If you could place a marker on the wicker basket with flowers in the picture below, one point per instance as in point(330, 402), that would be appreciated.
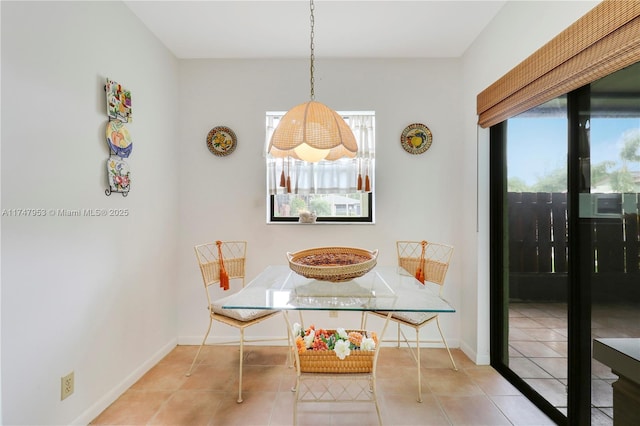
point(334, 351)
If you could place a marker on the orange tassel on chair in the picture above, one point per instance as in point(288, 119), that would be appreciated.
point(359, 182)
point(367, 184)
point(224, 277)
point(420, 270)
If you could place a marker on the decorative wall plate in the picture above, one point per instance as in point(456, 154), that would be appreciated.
point(119, 139)
point(221, 141)
point(416, 138)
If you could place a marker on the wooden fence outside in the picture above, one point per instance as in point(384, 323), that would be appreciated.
point(538, 238)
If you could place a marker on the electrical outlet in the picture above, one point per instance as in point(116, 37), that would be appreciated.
point(66, 386)
point(333, 314)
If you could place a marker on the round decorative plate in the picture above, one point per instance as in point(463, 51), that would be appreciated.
point(416, 138)
point(221, 141)
point(118, 138)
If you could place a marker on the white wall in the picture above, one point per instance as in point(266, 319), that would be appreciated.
point(90, 294)
point(519, 29)
point(417, 196)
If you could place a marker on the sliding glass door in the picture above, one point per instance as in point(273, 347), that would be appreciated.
point(530, 184)
point(565, 178)
point(608, 219)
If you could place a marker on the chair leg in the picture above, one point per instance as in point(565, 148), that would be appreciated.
point(200, 348)
point(445, 344)
point(295, 403)
point(398, 335)
point(419, 365)
point(290, 345)
point(372, 385)
point(241, 362)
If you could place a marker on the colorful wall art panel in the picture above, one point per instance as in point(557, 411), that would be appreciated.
point(118, 138)
point(118, 102)
point(119, 175)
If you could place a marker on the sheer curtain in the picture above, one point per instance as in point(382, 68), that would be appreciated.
point(343, 176)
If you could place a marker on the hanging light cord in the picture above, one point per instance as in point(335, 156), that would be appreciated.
point(311, 68)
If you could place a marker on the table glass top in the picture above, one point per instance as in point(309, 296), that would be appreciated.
point(384, 288)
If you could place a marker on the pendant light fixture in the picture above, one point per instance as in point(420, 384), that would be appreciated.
point(312, 131)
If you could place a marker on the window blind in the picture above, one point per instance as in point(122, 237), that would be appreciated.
point(603, 41)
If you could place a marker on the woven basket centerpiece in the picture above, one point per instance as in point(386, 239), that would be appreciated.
point(335, 264)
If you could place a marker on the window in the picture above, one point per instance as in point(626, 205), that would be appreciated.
point(338, 191)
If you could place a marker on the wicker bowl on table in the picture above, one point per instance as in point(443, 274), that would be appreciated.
point(334, 264)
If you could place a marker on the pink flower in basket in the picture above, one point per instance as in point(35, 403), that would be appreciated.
point(340, 341)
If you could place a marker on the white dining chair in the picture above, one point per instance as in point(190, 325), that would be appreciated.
point(427, 261)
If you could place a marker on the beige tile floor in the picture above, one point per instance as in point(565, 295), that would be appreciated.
point(473, 395)
point(538, 350)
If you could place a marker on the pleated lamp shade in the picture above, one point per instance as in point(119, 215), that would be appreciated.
point(313, 132)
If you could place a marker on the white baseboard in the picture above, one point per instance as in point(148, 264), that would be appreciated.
point(473, 355)
point(108, 399)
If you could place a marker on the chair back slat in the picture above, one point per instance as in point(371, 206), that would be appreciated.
point(436, 259)
point(409, 263)
point(233, 256)
point(435, 271)
point(211, 270)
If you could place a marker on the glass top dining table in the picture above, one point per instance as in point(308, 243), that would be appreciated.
point(384, 288)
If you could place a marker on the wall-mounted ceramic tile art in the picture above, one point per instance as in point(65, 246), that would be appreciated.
point(118, 171)
point(118, 102)
point(118, 137)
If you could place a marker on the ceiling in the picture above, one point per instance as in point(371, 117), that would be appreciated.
point(343, 29)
